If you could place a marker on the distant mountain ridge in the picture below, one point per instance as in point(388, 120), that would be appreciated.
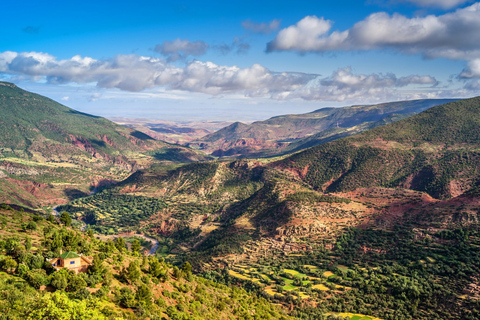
point(289, 133)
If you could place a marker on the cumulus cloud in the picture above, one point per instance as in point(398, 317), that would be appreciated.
point(453, 35)
point(444, 4)
point(472, 70)
point(180, 49)
point(343, 85)
point(136, 73)
point(263, 27)
point(448, 34)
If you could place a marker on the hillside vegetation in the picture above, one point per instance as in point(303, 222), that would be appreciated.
point(435, 152)
point(45, 145)
point(121, 284)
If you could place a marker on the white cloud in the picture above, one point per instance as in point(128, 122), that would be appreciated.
point(66, 98)
point(136, 73)
point(343, 85)
point(472, 70)
point(454, 35)
point(445, 4)
point(456, 31)
point(180, 49)
point(265, 28)
point(307, 35)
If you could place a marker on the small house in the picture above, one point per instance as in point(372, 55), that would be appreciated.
point(72, 261)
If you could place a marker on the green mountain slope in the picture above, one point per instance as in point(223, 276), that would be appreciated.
point(288, 133)
point(121, 283)
point(44, 142)
point(435, 151)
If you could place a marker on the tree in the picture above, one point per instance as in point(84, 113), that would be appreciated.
point(34, 261)
point(59, 281)
point(32, 226)
point(90, 233)
point(144, 295)
point(58, 306)
point(10, 244)
point(136, 246)
point(76, 283)
point(50, 218)
point(126, 297)
point(82, 294)
point(133, 271)
point(155, 268)
point(120, 244)
point(28, 243)
point(9, 264)
point(187, 267)
point(177, 273)
point(22, 270)
point(66, 219)
point(36, 278)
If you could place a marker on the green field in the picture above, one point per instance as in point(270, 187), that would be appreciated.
point(353, 316)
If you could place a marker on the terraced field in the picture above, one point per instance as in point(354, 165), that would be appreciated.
point(283, 282)
point(353, 316)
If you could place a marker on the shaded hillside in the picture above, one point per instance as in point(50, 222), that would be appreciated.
point(288, 133)
point(435, 151)
point(45, 142)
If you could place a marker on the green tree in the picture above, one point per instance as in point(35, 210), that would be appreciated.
point(9, 264)
point(120, 244)
point(22, 270)
point(136, 246)
point(32, 226)
point(144, 295)
point(133, 271)
point(66, 219)
point(59, 281)
point(126, 297)
point(58, 306)
point(28, 243)
point(187, 267)
point(76, 283)
point(50, 218)
point(177, 273)
point(36, 278)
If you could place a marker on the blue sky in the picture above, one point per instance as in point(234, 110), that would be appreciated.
point(239, 60)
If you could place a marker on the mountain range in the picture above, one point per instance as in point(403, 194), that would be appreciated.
point(290, 133)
